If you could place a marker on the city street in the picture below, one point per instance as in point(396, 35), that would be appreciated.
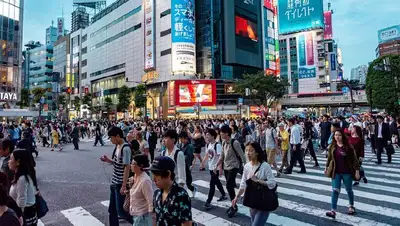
point(75, 185)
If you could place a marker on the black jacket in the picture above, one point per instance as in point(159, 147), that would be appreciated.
point(385, 132)
point(152, 140)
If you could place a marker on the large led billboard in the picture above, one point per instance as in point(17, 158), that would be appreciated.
point(307, 54)
point(389, 34)
point(328, 25)
point(299, 15)
point(190, 92)
point(183, 36)
point(149, 35)
point(246, 28)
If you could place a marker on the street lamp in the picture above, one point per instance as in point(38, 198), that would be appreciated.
point(347, 84)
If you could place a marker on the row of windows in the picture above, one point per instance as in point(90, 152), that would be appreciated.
point(108, 10)
point(166, 32)
point(113, 68)
point(119, 35)
point(134, 11)
point(165, 13)
point(84, 75)
point(84, 63)
point(165, 52)
point(84, 50)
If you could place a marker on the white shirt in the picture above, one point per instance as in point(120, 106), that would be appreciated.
point(23, 192)
point(264, 174)
point(380, 130)
point(180, 169)
point(295, 135)
point(270, 138)
point(214, 150)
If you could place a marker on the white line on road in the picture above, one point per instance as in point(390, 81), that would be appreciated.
point(209, 219)
point(79, 217)
point(40, 223)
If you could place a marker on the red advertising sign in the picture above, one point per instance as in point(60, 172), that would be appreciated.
point(190, 92)
point(269, 4)
point(328, 33)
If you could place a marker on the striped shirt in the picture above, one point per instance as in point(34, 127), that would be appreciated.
point(120, 160)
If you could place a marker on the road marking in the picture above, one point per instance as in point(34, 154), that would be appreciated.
point(373, 167)
point(40, 223)
point(298, 207)
point(80, 217)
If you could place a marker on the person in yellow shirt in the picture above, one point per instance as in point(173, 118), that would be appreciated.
point(56, 139)
point(283, 139)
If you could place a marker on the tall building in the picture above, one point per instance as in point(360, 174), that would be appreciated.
point(359, 73)
point(79, 19)
point(389, 41)
point(39, 67)
point(51, 35)
point(271, 38)
point(11, 15)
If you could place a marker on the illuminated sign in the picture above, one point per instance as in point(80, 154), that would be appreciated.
point(183, 36)
point(8, 96)
point(306, 54)
point(149, 35)
point(298, 15)
point(60, 26)
point(328, 25)
point(389, 34)
point(190, 92)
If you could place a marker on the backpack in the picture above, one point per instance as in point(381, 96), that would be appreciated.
point(122, 156)
point(175, 155)
point(241, 168)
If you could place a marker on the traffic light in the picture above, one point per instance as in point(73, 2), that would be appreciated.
point(68, 90)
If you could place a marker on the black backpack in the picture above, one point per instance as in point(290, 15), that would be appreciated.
point(122, 155)
point(175, 155)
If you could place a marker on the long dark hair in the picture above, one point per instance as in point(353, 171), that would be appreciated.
point(359, 133)
point(25, 167)
point(261, 156)
point(345, 141)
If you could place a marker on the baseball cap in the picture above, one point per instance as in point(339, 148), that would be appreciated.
point(162, 163)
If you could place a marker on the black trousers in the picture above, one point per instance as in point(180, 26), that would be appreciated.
point(324, 142)
point(189, 178)
point(310, 148)
point(75, 142)
point(230, 176)
point(380, 145)
point(151, 150)
point(297, 156)
point(215, 182)
point(98, 139)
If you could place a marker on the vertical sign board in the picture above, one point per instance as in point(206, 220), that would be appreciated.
point(328, 33)
point(306, 54)
point(149, 35)
point(183, 36)
point(299, 15)
point(333, 62)
point(60, 26)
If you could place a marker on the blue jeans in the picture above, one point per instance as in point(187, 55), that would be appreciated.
point(115, 207)
point(336, 184)
point(144, 220)
point(258, 217)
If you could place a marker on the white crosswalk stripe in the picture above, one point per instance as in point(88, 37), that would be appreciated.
point(303, 200)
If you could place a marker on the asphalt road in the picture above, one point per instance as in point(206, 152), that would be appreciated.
point(79, 181)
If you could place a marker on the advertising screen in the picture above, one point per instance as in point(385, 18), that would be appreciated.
point(300, 15)
point(246, 28)
point(191, 92)
point(388, 34)
point(149, 35)
point(328, 25)
point(183, 36)
point(306, 54)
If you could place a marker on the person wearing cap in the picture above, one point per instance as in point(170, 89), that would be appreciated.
point(382, 139)
point(141, 192)
point(172, 204)
point(121, 160)
point(172, 151)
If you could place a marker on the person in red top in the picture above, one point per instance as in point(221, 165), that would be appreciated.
point(356, 140)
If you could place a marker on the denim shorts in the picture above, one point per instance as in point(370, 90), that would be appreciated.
point(144, 220)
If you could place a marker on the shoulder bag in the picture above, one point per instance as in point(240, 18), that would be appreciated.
point(260, 197)
point(127, 201)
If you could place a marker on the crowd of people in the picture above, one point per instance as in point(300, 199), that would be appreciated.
point(228, 147)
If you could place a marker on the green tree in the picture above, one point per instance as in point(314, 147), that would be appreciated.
point(140, 98)
point(77, 103)
point(37, 94)
point(264, 90)
point(24, 102)
point(87, 101)
point(124, 99)
point(62, 100)
point(381, 85)
point(108, 103)
point(96, 110)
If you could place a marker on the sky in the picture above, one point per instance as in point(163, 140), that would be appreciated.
point(355, 24)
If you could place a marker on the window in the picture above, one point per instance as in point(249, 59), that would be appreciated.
point(84, 50)
point(84, 63)
point(84, 75)
point(166, 12)
point(115, 37)
point(84, 38)
point(166, 32)
point(166, 52)
point(113, 68)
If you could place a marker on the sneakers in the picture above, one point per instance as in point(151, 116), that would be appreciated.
point(323, 153)
point(222, 198)
point(232, 211)
point(194, 193)
point(207, 206)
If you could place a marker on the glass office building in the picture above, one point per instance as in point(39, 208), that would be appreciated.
point(11, 17)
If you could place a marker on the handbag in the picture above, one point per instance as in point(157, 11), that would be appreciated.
point(127, 201)
point(260, 197)
point(389, 149)
point(41, 206)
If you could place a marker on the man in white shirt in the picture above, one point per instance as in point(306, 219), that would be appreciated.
point(295, 144)
point(172, 151)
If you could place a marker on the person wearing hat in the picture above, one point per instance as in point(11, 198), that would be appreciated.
point(141, 192)
point(169, 197)
point(382, 139)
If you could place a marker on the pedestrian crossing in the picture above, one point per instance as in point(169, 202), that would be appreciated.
point(303, 200)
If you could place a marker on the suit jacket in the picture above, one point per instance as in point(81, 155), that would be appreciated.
point(152, 140)
point(385, 132)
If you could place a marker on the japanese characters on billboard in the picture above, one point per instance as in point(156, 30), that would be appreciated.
point(270, 38)
point(183, 36)
point(299, 15)
point(328, 25)
point(307, 54)
point(190, 92)
point(60, 26)
point(149, 35)
point(389, 34)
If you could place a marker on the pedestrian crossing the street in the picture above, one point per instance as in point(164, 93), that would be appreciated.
point(303, 200)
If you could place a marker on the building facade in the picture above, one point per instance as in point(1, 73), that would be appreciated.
point(389, 41)
point(11, 18)
point(359, 73)
point(51, 35)
point(79, 19)
point(271, 39)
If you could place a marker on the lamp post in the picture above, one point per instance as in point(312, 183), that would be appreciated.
point(347, 84)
